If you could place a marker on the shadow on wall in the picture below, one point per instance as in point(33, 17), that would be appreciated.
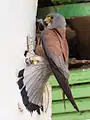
point(78, 36)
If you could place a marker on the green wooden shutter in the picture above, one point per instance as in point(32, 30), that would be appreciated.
point(80, 86)
point(79, 79)
point(69, 10)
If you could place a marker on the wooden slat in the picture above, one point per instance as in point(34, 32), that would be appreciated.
point(76, 76)
point(71, 116)
point(80, 81)
point(77, 91)
point(58, 106)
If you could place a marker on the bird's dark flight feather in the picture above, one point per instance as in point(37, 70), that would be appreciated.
point(30, 106)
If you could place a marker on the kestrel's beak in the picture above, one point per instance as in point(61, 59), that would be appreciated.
point(47, 20)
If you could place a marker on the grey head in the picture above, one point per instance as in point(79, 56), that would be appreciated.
point(55, 20)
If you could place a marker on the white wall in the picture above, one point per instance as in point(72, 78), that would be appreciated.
point(17, 19)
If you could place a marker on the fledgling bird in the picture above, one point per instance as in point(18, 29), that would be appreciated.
point(32, 81)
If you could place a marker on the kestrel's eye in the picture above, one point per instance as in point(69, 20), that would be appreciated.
point(49, 17)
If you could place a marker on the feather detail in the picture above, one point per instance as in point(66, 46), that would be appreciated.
point(59, 66)
point(31, 83)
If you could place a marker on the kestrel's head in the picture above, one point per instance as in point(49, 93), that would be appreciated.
point(55, 20)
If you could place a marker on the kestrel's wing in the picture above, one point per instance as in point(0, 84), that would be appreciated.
point(54, 47)
point(31, 83)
